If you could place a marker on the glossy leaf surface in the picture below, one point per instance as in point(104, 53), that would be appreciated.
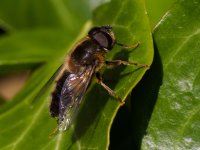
point(174, 123)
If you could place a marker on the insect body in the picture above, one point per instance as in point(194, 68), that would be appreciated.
point(75, 75)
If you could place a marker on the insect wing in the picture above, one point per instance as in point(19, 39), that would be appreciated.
point(72, 92)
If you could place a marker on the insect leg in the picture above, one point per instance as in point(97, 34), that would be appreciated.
point(114, 63)
point(134, 46)
point(53, 133)
point(110, 91)
point(121, 62)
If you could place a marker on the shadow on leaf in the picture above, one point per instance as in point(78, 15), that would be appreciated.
point(143, 99)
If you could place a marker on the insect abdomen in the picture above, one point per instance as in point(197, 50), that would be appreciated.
point(55, 100)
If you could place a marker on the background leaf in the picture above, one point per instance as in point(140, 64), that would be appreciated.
point(156, 9)
point(26, 120)
point(32, 47)
point(22, 14)
point(174, 123)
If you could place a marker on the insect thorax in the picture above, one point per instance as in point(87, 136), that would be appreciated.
point(87, 53)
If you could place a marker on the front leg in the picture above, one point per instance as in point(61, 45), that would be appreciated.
point(134, 46)
point(114, 63)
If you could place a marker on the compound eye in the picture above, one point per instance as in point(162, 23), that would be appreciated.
point(102, 39)
point(103, 36)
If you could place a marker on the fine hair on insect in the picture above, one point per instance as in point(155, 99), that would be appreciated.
point(81, 65)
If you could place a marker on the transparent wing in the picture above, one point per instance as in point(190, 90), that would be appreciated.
point(72, 92)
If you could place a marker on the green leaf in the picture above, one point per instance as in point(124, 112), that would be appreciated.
point(156, 9)
point(31, 47)
point(174, 123)
point(22, 14)
point(26, 120)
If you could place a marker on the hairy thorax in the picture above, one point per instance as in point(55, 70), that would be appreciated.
point(87, 54)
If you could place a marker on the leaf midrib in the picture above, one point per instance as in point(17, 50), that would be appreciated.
point(166, 65)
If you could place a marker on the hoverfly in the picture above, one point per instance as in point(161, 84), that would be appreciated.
point(82, 64)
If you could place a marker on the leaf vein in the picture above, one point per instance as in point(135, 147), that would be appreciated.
point(180, 48)
point(119, 12)
point(192, 113)
point(57, 146)
point(29, 127)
